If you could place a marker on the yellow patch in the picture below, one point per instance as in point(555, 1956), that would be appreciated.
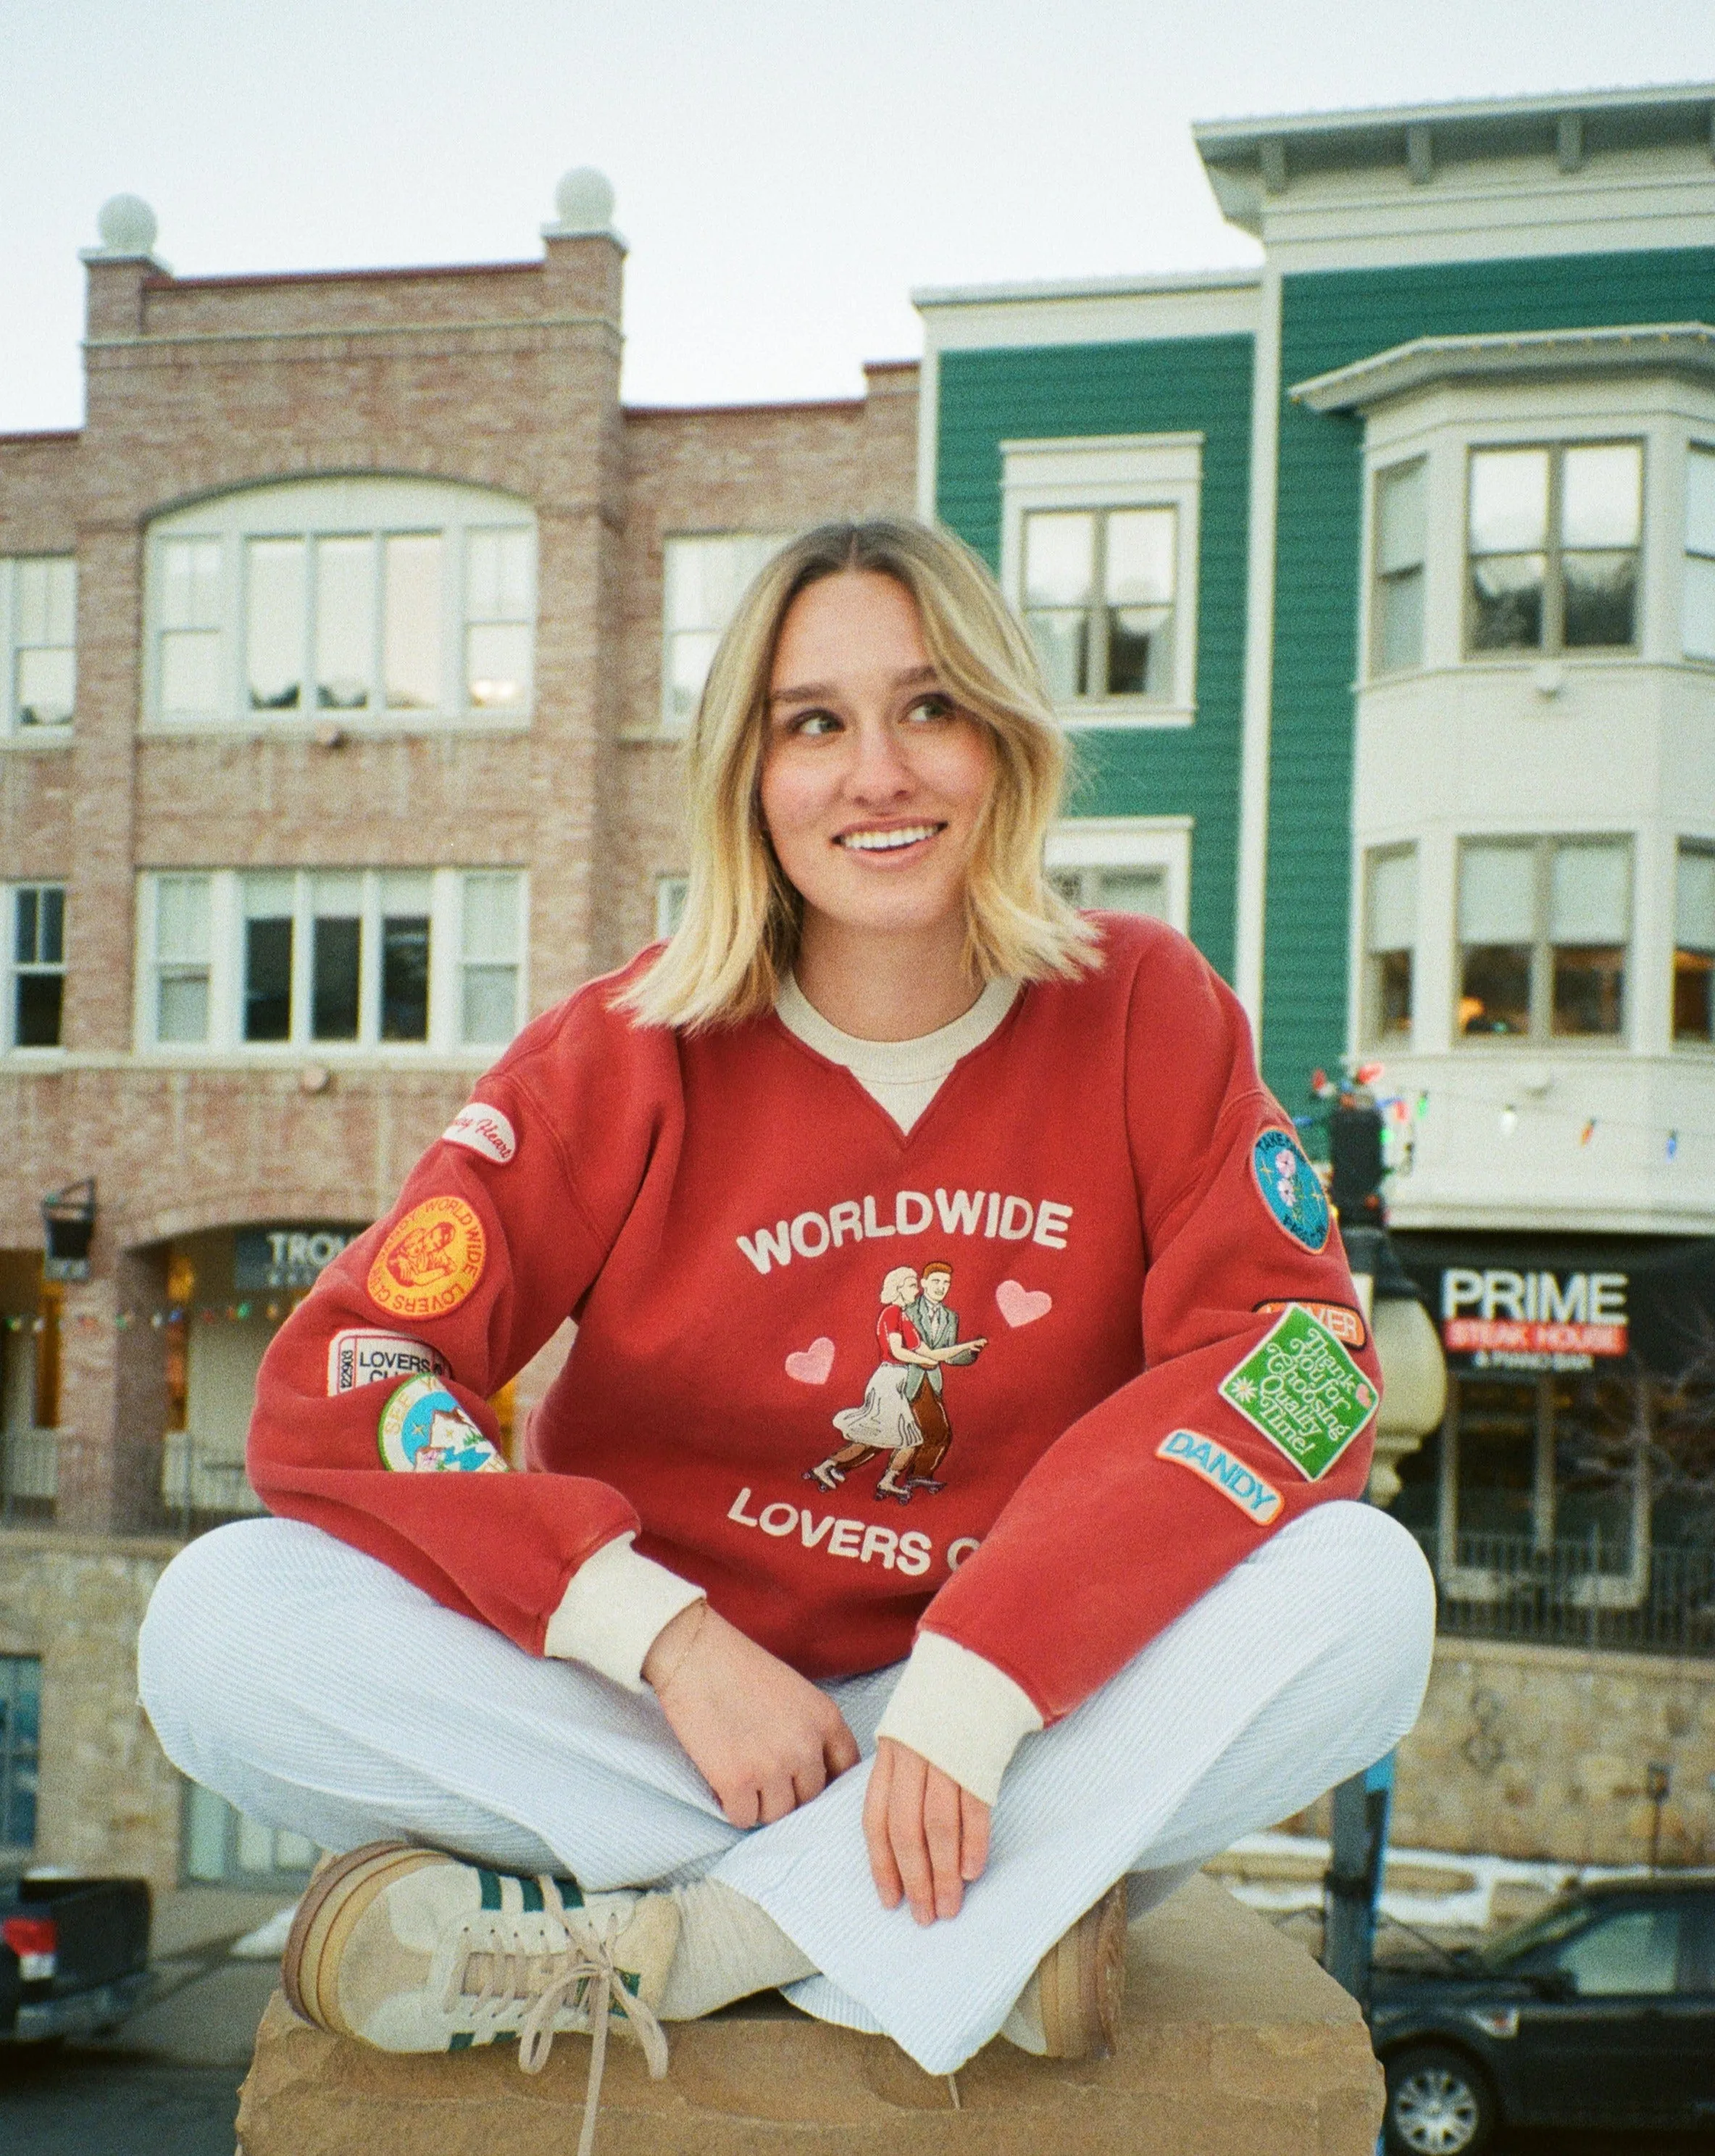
point(431, 1261)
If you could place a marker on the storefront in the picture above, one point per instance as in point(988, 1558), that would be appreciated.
point(1578, 1450)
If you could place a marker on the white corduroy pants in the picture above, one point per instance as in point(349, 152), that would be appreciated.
point(317, 1690)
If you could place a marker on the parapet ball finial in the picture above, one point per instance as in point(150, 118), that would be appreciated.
point(584, 199)
point(126, 225)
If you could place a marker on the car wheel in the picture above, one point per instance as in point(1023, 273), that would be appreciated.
point(1438, 2104)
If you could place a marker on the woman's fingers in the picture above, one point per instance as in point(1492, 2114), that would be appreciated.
point(973, 1837)
point(840, 1749)
point(941, 1836)
point(882, 1867)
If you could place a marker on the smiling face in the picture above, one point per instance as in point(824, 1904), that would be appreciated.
point(874, 784)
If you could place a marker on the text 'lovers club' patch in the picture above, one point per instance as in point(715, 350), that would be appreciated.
point(1301, 1389)
point(1291, 1188)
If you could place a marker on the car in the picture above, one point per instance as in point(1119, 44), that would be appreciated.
point(73, 1955)
point(1598, 2012)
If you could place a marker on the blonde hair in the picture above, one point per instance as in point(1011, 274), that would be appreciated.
point(737, 940)
point(892, 1288)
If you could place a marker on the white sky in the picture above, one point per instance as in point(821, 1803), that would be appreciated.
point(787, 170)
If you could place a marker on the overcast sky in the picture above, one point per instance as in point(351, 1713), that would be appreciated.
point(787, 170)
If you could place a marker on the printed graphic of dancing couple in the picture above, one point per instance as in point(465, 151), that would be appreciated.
point(903, 1413)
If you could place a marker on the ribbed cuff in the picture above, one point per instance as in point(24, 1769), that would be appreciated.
point(964, 1715)
point(613, 1610)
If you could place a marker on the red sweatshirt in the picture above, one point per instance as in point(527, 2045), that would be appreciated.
point(1172, 1362)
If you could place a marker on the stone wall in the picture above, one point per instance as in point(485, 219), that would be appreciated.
point(1542, 1751)
point(108, 1801)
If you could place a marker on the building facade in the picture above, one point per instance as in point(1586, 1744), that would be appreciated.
point(347, 649)
point(1376, 584)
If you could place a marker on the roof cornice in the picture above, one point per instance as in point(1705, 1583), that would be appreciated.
point(1646, 347)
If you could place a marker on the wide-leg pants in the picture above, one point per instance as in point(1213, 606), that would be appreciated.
point(318, 1691)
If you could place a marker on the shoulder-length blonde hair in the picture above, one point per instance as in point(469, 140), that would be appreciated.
point(737, 940)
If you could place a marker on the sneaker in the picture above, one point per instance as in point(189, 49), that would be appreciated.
point(410, 1949)
point(1070, 2009)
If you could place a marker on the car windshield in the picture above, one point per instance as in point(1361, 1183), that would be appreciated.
point(1546, 1930)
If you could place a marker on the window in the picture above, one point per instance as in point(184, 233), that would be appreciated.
point(1098, 591)
point(492, 934)
point(1694, 945)
point(1700, 553)
point(38, 596)
point(1396, 630)
point(1633, 1953)
point(1098, 553)
point(1390, 943)
point(357, 958)
point(37, 996)
point(1553, 535)
point(671, 892)
point(1544, 927)
point(20, 1744)
point(365, 600)
point(1138, 864)
point(705, 575)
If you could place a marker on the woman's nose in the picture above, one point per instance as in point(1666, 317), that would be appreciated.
point(880, 769)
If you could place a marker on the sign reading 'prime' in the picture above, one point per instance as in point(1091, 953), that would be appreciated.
point(1303, 1391)
point(1509, 1320)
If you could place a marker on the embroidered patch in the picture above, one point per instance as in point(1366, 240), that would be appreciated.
point(1302, 1389)
point(812, 1365)
point(424, 1431)
point(1259, 1500)
point(432, 1261)
point(1346, 1324)
point(1022, 1305)
point(483, 1130)
point(1291, 1188)
point(362, 1357)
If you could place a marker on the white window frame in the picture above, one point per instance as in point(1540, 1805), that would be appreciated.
point(310, 509)
point(13, 732)
point(1129, 842)
point(667, 720)
point(1381, 475)
point(1368, 959)
point(1539, 1035)
point(1704, 849)
point(1114, 471)
point(225, 1041)
point(671, 892)
point(12, 971)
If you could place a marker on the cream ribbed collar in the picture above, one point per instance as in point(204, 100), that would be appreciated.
point(903, 1076)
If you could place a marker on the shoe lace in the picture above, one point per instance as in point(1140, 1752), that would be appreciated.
point(581, 1974)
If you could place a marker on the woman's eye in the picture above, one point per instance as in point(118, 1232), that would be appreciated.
point(930, 707)
point(815, 723)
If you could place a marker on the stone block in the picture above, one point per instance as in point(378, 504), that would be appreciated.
point(1234, 2044)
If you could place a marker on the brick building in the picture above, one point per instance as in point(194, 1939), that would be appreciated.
point(345, 651)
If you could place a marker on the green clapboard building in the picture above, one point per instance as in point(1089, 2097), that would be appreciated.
point(1377, 583)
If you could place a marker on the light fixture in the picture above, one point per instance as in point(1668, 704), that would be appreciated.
point(68, 1219)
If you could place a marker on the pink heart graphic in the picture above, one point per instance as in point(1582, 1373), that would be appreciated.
point(1022, 1305)
point(811, 1365)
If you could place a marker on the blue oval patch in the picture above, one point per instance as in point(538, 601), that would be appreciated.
point(1291, 1188)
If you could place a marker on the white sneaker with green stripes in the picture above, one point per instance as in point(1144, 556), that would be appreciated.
point(410, 1949)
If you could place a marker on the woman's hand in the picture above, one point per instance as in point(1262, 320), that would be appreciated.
point(928, 1836)
point(764, 1738)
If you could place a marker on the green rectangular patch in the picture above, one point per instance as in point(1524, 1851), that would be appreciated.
point(1301, 1389)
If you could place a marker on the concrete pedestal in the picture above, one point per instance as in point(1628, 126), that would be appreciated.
point(1234, 2044)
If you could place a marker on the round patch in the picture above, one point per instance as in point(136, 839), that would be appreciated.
point(1291, 1188)
point(424, 1431)
point(431, 1261)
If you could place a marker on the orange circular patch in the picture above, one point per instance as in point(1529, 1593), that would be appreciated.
point(431, 1261)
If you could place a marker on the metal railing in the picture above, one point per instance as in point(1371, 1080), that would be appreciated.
point(201, 1484)
point(1657, 1600)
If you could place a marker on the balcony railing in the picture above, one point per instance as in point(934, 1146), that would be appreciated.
point(1575, 1593)
point(201, 1484)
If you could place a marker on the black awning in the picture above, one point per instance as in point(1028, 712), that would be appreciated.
point(1527, 1302)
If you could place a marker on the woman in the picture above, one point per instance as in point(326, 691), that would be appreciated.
point(1141, 1616)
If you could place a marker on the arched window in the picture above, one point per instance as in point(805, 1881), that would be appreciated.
point(363, 602)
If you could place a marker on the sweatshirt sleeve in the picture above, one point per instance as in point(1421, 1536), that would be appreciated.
point(371, 1418)
point(1258, 1391)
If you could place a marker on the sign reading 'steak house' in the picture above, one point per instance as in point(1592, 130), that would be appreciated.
point(1501, 1319)
point(286, 1257)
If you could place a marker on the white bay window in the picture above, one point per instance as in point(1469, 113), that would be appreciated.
point(364, 601)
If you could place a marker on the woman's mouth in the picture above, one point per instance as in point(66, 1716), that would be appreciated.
point(892, 841)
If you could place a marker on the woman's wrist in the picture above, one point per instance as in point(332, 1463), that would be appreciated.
point(672, 1646)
